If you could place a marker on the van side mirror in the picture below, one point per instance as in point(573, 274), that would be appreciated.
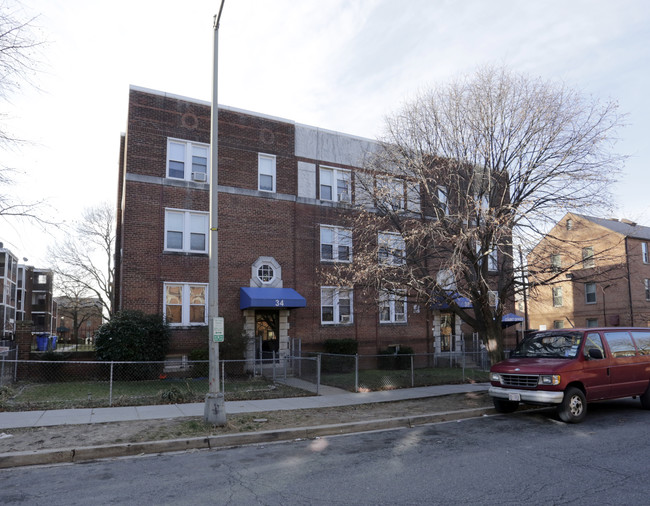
point(595, 353)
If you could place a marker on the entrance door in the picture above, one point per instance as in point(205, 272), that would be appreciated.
point(267, 330)
point(447, 325)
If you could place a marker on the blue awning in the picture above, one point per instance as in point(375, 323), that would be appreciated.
point(276, 298)
point(442, 302)
point(511, 319)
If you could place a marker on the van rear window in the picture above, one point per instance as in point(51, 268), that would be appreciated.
point(620, 344)
point(642, 339)
point(549, 345)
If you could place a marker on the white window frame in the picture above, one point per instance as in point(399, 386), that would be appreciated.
point(394, 246)
point(646, 286)
point(558, 299)
point(185, 303)
point(391, 301)
point(189, 148)
point(188, 217)
point(339, 182)
point(390, 193)
point(587, 293)
point(443, 199)
point(644, 253)
point(588, 260)
point(335, 295)
point(340, 237)
point(556, 262)
point(263, 170)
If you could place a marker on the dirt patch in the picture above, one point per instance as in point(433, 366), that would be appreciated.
point(74, 436)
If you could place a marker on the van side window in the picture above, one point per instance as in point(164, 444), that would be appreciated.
point(594, 341)
point(620, 344)
point(642, 342)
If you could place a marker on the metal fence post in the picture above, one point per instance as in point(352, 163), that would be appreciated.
point(110, 388)
point(356, 372)
point(223, 377)
point(16, 365)
point(273, 363)
point(318, 374)
point(412, 373)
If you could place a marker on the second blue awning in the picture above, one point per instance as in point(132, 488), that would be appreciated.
point(268, 298)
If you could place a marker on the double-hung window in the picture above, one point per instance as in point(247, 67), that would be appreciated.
point(443, 200)
point(556, 262)
point(186, 231)
point(187, 160)
point(646, 286)
point(390, 194)
point(644, 252)
point(335, 305)
point(335, 184)
point(588, 257)
point(590, 293)
point(391, 248)
point(266, 173)
point(557, 296)
point(335, 244)
point(186, 303)
point(392, 307)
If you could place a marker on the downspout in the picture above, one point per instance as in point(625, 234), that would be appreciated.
point(629, 283)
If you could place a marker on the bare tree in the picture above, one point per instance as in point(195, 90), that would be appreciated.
point(463, 170)
point(77, 305)
point(18, 64)
point(85, 258)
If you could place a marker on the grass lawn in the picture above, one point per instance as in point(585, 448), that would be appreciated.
point(91, 394)
point(378, 379)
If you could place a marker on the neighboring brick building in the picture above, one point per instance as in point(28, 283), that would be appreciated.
point(26, 296)
point(285, 190)
point(601, 272)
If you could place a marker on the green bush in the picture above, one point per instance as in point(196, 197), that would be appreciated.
point(132, 336)
point(341, 346)
point(395, 359)
point(201, 369)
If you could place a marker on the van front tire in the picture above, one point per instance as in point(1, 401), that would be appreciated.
point(503, 406)
point(573, 408)
point(645, 399)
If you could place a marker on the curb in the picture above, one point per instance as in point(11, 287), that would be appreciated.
point(84, 454)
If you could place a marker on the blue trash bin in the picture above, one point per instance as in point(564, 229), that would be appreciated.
point(42, 342)
point(53, 343)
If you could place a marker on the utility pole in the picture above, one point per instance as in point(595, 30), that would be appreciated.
point(215, 406)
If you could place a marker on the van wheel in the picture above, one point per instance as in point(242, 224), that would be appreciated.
point(503, 406)
point(574, 406)
point(645, 399)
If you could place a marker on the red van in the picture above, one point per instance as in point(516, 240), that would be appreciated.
point(570, 367)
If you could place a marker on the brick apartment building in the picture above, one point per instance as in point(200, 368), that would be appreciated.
point(26, 296)
point(285, 190)
point(601, 270)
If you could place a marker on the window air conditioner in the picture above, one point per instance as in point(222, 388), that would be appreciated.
point(199, 176)
point(344, 197)
point(345, 318)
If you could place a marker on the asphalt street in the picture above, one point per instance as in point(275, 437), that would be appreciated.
point(526, 458)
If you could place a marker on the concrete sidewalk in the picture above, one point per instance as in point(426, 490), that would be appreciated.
point(329, 397)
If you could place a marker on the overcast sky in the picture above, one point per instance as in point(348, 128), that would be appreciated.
point(336, 64)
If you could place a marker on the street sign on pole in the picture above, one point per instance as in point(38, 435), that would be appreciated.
point(218, 332)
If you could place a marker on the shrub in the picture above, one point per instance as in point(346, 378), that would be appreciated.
point(339, 347)
point(395, 358)
point(132, 336)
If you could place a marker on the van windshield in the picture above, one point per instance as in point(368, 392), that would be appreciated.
point(549, 345)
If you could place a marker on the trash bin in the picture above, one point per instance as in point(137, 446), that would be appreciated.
point(42, 340)
point(53, 342)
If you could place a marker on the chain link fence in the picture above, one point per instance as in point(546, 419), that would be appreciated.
point(56, 383)
point(365, 373)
